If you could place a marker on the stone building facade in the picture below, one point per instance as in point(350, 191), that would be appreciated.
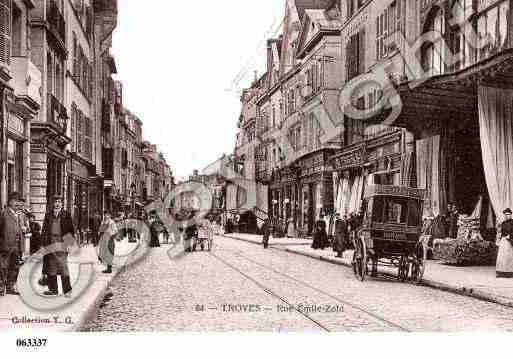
point(20, 81)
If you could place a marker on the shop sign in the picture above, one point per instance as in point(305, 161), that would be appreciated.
point(395, 190)
point(16, 125)
point(355, 159)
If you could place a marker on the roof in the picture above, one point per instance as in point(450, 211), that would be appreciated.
point(319, 17)
point(303, 5)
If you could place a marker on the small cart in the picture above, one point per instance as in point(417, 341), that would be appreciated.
point(390, 233)
point(204, 238)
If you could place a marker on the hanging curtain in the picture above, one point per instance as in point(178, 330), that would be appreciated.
point(318, 200)
point(343, 200)
point(495, 121)
point(231, 194)
point(436, 178)
point(336, 188)
point(359, 193)
point(429, 175)
point(356, 195)
point(490, 223)
point(422, 170)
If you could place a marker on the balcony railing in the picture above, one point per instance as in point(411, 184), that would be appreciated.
point(56, 20)
point(56, 113)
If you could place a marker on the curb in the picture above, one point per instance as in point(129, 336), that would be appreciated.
point(463, 291)
point(93, 307)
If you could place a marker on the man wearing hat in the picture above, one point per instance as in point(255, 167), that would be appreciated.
point(11, 244)
point(504, 268)
point(57, 226)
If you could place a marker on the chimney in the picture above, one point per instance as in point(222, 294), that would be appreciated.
point(256, 75)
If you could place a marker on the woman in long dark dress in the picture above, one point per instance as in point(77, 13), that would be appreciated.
point(155, 230)
point(320, 237)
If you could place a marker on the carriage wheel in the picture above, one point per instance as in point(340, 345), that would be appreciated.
point(418, 265)
point(360, 260)
point(404, 268)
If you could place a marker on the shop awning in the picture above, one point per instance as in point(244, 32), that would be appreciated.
point(450, 96)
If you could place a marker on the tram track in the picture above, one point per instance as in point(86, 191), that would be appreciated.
point(376, 318)
point(270, 292)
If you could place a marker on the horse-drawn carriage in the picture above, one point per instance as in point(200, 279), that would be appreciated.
point(390, 234)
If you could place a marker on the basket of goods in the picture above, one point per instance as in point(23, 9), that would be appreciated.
point(469, 248)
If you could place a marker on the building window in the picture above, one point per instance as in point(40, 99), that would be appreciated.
point(14, 166)
point(5, 32)
point(49, 74)
point(493, 24)
point(75, 55)
point(388, 28)
point(16, 31)
point(88, 144)
point(80, 131)
point(432, 54)
point(355, 55)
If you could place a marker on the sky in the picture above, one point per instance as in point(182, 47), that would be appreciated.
point(178, 61)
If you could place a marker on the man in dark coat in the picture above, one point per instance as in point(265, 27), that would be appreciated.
point(57, 226)
point(341, 234)
point(320, 237)
point(266, 232)
point(95, 222)
point(11, 244)
point(35, 234)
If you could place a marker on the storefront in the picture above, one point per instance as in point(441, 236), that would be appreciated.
point(315, 189)
point(377, 160)
point(84, 196)
point(283, 194)
point(463, 140)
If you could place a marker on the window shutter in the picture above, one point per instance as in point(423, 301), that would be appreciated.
point(74, 54)
point(321, 80)
point(348, 60)
point(79, 132)
point(72, 120)
point(350, 7)
point(361, 52)
point(5, 31)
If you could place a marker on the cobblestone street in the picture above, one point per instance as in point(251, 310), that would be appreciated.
point(241, 286)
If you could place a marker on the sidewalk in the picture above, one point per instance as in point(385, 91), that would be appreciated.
point(16, 315)
point(477, 282)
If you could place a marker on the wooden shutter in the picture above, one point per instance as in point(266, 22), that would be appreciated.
point(350, 8)
point(5, 32)
point(74, 54)
point(79, 131)
point(361, 52)
point(73, 127)
point(346, 56)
